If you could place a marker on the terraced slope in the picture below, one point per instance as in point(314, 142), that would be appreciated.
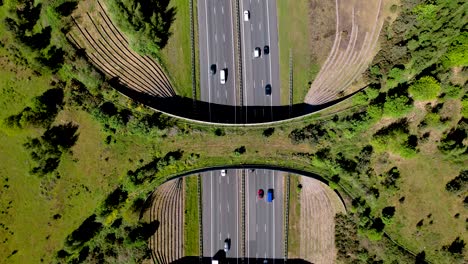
point(109, 50)
point(319, 204)
point(168, 209)
point(358, 25)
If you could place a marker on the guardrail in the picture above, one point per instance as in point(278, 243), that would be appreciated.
point(239, 53)
point(200, 218)
point(192, 47)
point(290, 82)
point(286, 218)
point(243, 216)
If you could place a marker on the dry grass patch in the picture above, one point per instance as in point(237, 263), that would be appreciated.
point(319, 205)
point(167, 243)
point(357, 30)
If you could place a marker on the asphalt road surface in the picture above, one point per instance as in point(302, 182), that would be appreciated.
point(260, 31)
point(216, 37)
point(264, 220)
point(221, 213)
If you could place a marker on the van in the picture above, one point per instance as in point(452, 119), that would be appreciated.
point(222, 76)
point(270, 195)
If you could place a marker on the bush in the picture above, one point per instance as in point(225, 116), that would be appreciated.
point(456, 247)
point(268, 132)
point(387, 214)
point(459, 183)
point(47, 150)
point(426, 88)
point(464, 103)
point(86, 231)
point(312, 133)
point(395, 138)
point(452, 142)
point(397, 106)
point(43, 112)
point(239, 151)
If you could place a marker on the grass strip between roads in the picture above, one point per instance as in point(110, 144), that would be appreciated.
point(191, 235)
point(294, 216)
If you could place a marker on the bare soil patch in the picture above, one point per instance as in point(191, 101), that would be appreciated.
point(319, 204)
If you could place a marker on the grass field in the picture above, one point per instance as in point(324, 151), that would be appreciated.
point(295, 36)
point(191, 233)
point(176, 55)
point(294, 216)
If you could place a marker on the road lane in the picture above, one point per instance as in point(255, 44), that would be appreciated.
point(264, 219)
point(216, 40)
point(260, 31)
point(220, 216)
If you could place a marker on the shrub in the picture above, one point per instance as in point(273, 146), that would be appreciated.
point(239, 151)
point(43, 112)
point(312, 133)
point(452, 142)
point(86, 231)
point(456, 247)
point(459, 183)
point(387, 214)
point(47, 150)
point(268, 132)
point(395, 138)
point(219, 132)
point(390, 178)
point(397, 106)
point(464, 103)
point(426, 88)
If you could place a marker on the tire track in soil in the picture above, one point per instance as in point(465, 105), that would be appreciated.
point(351, 53)
point(319, 204)
point(167, 243)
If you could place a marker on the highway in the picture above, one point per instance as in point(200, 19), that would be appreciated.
point(216, 45)
point(221, 213)
point(259, 31)
point(264, 220)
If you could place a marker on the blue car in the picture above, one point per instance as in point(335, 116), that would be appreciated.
point(270, 195)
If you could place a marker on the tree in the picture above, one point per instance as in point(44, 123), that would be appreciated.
point(426, 88)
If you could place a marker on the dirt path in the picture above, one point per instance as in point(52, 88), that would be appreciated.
point(357, 29)
point(319, 204)
point(109, 50)
point(168, 209)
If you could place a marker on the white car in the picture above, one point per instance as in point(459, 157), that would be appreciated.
point(222, 76)
point(257, 52)
point(246, 15)
point(223, 173)
point(226, 245)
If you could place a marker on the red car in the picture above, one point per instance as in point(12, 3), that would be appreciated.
point(260, 193)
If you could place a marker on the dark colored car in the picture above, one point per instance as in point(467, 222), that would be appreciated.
point(268, 89)
point(266, 49)
point(213, 68)
point(260, 193)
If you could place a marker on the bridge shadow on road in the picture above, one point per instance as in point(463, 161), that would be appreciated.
point(224, 260)
point(216, 113)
